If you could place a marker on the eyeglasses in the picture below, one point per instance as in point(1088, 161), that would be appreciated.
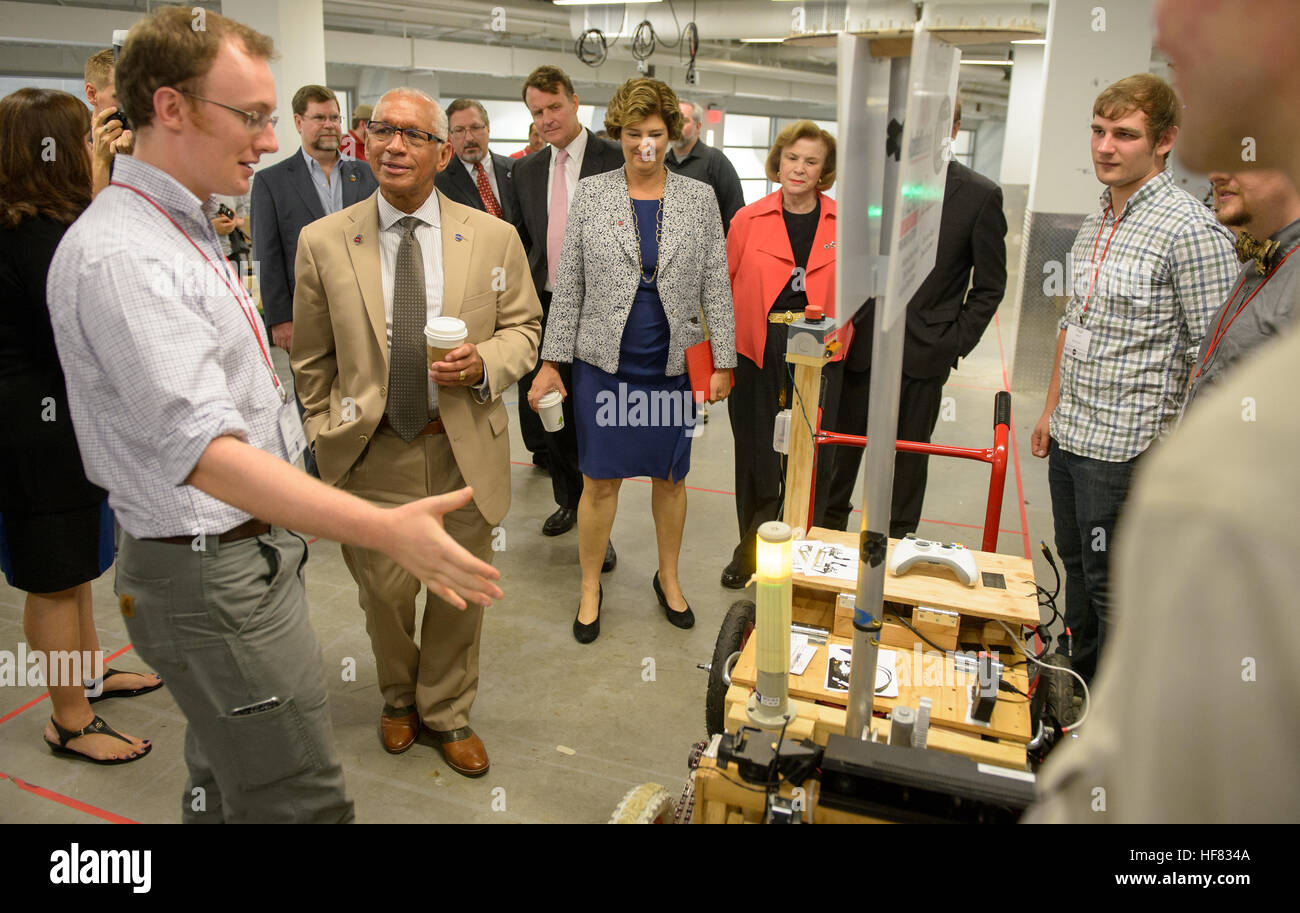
point(385, 133)
point(326, 118)
point(474, 128)
point(256, 121)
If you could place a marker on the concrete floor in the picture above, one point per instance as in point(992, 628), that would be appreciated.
point(569, 728)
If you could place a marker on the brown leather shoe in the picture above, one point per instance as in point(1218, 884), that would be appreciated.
point(398, 729)
point(463, 751)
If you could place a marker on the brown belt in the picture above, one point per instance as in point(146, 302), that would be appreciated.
point(434, 427)
point(246, 530)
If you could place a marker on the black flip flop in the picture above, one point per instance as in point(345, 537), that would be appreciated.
point(105, 695)
point(97, 727)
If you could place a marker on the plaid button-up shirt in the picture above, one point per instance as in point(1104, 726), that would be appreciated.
point(1162, 268)
point(159, 357)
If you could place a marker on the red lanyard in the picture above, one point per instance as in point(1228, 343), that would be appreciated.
point(246, 306)
point(1097, 268)
point(1221, 329)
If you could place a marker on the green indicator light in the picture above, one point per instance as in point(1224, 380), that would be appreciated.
point(874, 212)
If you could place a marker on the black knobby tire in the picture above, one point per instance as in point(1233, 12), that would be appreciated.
point(736, 628)
point(1059, 686)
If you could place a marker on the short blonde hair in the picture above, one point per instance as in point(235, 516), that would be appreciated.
point(99, 68)
point(802, 129)
point(640, 98)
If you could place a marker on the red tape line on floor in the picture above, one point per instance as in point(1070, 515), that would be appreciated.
point(75, 804)
point(32, 703)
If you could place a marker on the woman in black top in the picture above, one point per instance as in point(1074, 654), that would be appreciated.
point(56, 532)
point(781, 257)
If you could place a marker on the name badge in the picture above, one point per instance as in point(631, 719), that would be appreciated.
point(295, 442)
point(1077, 342)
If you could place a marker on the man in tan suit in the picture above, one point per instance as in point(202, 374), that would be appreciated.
point(386, 427)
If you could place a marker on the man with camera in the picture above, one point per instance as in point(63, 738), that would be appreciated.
point(110, 132)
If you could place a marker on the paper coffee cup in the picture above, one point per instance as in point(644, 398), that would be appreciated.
point(441, 335)
point(551, 408)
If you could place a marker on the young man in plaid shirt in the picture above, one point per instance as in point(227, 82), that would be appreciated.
point(1151, 267)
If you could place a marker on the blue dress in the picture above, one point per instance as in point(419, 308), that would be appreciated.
point(637, 422)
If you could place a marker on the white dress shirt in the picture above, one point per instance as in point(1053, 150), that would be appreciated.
point(429, 234)
point(572, 168)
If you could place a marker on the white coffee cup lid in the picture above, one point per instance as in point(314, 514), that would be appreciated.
point(550, 399)
point(446, 329)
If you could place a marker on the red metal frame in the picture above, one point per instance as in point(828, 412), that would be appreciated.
point(995, 455)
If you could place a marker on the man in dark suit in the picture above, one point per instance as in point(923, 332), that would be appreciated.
point(944, 323)
point(295, 192)
point(475, 165)
point(543, 183)
point(478, 177)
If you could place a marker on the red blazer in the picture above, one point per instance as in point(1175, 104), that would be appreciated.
point(760, 260)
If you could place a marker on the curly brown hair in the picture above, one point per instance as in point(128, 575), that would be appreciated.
point(638, 99)
point(44, 156)
point(802, 129)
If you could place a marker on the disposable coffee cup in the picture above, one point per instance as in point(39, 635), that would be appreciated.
point(551, 408)
point(441, 335)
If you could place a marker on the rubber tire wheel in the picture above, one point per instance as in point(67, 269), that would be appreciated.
point(648, 803)
point(1059, 704)
point(736, 628)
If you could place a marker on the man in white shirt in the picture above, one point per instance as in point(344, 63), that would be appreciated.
point(573, 153)
point(388, 428)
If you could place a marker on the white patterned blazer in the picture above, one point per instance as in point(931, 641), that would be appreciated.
point(596, 278)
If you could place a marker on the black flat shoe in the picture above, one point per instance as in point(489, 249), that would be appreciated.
point(684, 619)
point(560, 522)
point(734, 577)
point(585, 634)
point(99, 727)
point(611, 558)
point(105, 695)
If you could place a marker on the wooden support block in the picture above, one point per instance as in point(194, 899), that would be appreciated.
point(939, 625)
point(803, 416)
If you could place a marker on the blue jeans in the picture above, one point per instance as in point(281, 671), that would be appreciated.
point(1087, 497)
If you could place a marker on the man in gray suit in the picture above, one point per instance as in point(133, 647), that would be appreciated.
point(476, 176)
point(293, 193)
point(297, 191)
point(548, 93)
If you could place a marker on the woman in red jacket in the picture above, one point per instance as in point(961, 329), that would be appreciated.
point(781, 255)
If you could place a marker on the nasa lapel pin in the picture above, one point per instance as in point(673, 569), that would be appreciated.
point(460, 237)
point(357, 239)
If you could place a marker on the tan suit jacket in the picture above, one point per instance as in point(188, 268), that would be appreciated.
point(340, 350)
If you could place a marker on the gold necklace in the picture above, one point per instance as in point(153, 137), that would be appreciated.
point(659, 233)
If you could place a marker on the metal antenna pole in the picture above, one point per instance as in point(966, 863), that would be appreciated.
point(878, 464)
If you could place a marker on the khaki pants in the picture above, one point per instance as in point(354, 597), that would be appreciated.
point(227, 628)
point(438, 673)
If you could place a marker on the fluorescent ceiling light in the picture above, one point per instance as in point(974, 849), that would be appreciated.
point(987, 63)
point(1030, 41)
point(599, 2)
point(762, 40)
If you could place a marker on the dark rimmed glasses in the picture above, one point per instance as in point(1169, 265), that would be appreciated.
point(412, 135)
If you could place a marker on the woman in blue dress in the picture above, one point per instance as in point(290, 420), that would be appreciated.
point(642, 274)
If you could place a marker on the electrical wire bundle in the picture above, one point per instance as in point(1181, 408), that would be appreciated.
point(592, 47)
